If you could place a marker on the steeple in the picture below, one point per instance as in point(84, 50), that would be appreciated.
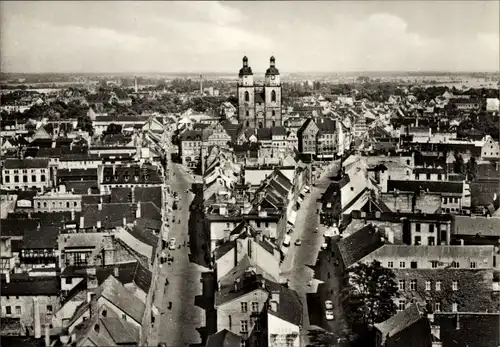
point(272, 67)
point(245, 70)
point(245, 61)
point(272, 61)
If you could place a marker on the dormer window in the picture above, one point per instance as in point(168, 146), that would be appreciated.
point(136, 178)
point(126, 177)
point(146, 177)
point(107, 178)
point(115, 178)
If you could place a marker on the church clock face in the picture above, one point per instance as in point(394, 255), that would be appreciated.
point(273, 77)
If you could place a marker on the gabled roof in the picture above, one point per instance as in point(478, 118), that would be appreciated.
point(11, 164)
point(304, 126)
point(399, 322)
point(23, 285)
point(117, 294)
point(264, 134)
point(289, 307)
point(122, 332)
point(468, 329)
point(223, 338)
point(432, 186)
point(358, 245)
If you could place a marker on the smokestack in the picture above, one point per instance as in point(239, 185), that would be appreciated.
point(36, 314)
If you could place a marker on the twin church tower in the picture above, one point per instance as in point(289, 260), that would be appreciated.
point(259, 106)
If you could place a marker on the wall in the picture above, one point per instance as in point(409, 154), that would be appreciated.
point(277, 331)
point(41, 178)
point(57, 203)
point(80, 164)
point(27, 309)
point(424, 262)
point(231, 311)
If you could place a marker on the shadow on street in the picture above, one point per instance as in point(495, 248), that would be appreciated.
point(197, 243)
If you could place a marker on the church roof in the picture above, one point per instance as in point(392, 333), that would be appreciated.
point(272, 70)
point(245, 70)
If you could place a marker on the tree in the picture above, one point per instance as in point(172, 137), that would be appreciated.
point(113, 129)
point(369, 294)
point(85, 124)
point(458, 165)
point(471, 169)
point(321, 338)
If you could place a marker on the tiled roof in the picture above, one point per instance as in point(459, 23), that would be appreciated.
point(399, 322)
point(24, 285)
point(432, 186)
point(289, 307)
point(26, 164)
point(117, 294)
point(223, 338)
point(191, 135)
point(110, 215)
point(82, 187)
point(15, 227)
point(133, 174)
point(76, 173)
point(326, 125)
point(247, 285)
point(45, 238)
point(465, 225)
point(358, 245)
point(469, 329)
point(143, 235)
point(122, 332)
point(278, 131)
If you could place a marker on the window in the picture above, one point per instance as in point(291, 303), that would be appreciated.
point(273, 96)
point(255, 306)
point(413, 285)
point(258, 224)
point(438, 286)
point(49, 308)
point(431, 228)
point(243, 343)
point(68, 280)
point(16, 179)
point(42, 178)
point(402, 264)
point(454, 307)
point(434, 264)
point(428, 176)
point(390, 264)
point(401, 305)
point(413, 265)
point(455, 264)
point(472, 264)
point(418, 240)
point(431, 241)
point(247, 97)
point(417, 227)
point(402, 285)
point(437, 307)
point(244, 307)
point(439, 177)
point(445, 200)
point(25, 178)
point(454, 285)
point(45, 204)
point(256, 325)
point(244, 326)
point(33, 178)
point(8, 310)
point(18, 309)
point(67, 204)
point(427, 285)
point(7, 179)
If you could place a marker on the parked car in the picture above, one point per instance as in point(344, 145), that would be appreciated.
point(329, 305)
point(286, 241)
point(329, 315)
point(298, 242)
point(171, 244)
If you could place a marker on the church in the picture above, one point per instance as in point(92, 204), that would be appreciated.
point(259, 106)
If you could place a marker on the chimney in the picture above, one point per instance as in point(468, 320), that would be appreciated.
point(89, 191)
point(430, 132)
point(29, 215)
point(462, 242)
point(47, 333)
point(7, 277)
point(82, 225)
point(38, 226)
point(116, 272)
point(98, 224)
point(99, 205)
point(237, 284)
point(263, 283)
point(36, 314)
point(138, 211)
point(124, 221)
point(457, 322)
point(96, 328)
point(72, 214)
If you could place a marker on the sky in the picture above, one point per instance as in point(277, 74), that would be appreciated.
point(308, 36)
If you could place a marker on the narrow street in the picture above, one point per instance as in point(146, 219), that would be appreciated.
point(179, 326)
point(298, 264)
